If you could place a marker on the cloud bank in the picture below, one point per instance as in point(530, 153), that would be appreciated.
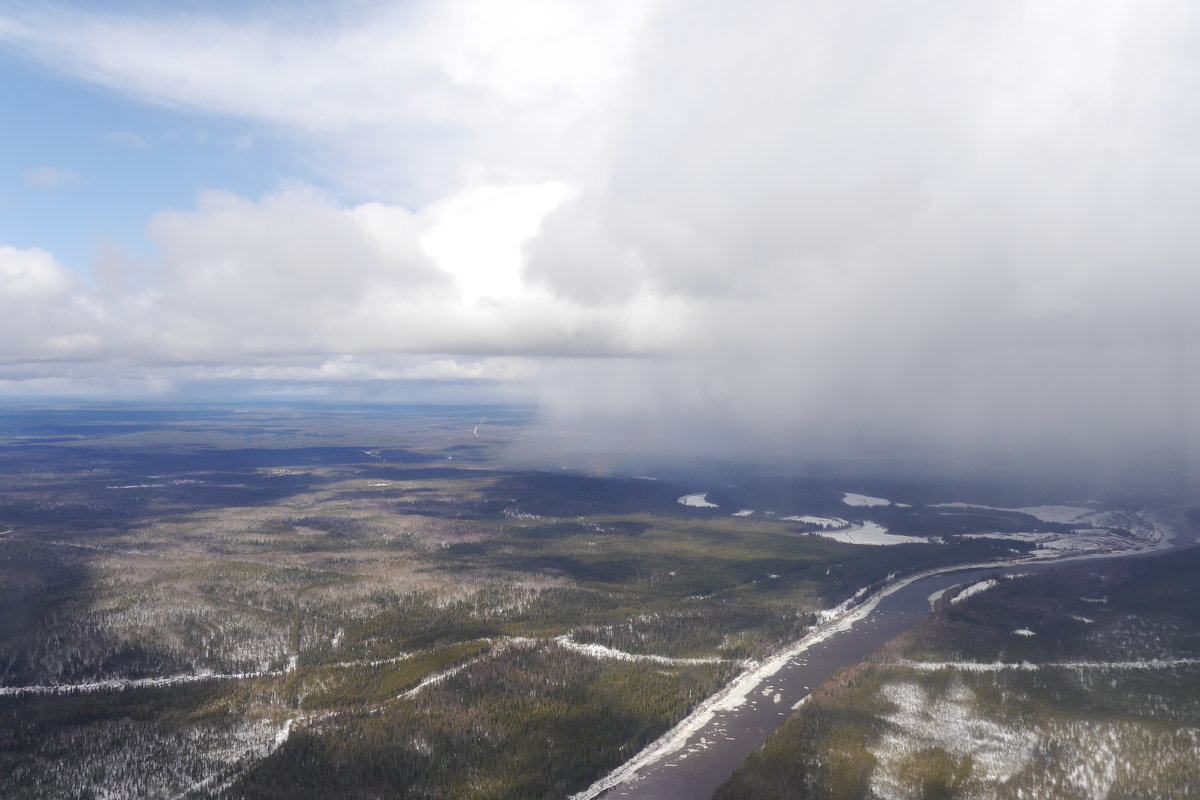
point(794, 229)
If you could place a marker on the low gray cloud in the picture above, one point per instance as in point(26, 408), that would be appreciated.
point(964, 235)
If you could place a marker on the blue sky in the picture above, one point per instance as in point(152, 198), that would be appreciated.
point(121, 160)
point(786, 225)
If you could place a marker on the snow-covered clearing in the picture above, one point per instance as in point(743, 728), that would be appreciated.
point(1062, 514)
point(922, 722)
point(1138, 522)
point(745, 512)
point(824, 522)
point(238, 761)
point(870, 533)
point(1112, 532)
point(699, 500)
point(1007, 757)
point(852, 499)
point(117, 758)
point(600, 651)
point(1016, 536)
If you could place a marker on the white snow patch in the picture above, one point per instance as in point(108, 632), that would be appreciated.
point(284, 733)
point(696, 501)
point(974, 588)
point(870, 533)
point(124, 684)
point(745, 512)
point(1016, 536)
point(1063, 514)
point(1107, 532)
point(852, 499)
point(600, 651)
point(1066, 515)
point(1024, 632)
point(998, 752)
point(824, 522)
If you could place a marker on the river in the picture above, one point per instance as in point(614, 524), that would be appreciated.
point(703, 756)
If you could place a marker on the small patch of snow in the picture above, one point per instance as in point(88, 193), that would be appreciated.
point(860, 500)
point(974, 588)
point(997, 752)
point(699, 500)
point(871, 533)
point(1024, 632)
point(600, 651)
point(824, 522)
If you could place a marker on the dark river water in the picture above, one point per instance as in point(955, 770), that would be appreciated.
point(713, 752)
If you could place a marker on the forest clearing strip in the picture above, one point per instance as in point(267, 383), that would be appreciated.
point(600, 651)
point(498, 646)
point(125, 684)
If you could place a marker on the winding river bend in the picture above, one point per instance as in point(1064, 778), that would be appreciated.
point(700, 757)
